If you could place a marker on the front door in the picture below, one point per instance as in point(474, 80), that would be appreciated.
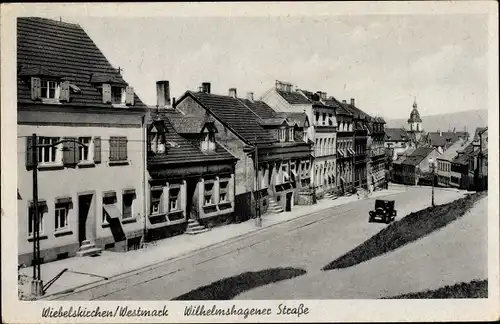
point(84, 202)
point(288, 206)
point(191, 203)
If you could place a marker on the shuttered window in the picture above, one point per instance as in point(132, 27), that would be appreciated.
point(118, 148)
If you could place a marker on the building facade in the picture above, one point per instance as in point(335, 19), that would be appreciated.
point(444, 163)
point(415, 168)
point(270, 145)
point(376, 146)
point(89, 127)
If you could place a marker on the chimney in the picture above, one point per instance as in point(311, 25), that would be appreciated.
point(352, 101)
point(250, 96)
point(205, 87)
point(200, 89)
point(232, 92)
point(162, 94)
point(343, 101)
point(323, 95)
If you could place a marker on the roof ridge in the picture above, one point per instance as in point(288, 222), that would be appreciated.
point(51, 21)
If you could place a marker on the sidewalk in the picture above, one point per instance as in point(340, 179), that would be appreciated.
point(83, 271)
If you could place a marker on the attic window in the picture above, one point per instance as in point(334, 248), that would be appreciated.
point(208, 142)
point(49, 89)
point(117, 94)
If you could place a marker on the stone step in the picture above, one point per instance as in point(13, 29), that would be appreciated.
point(88, 246)
point(195, 228)
point(275, 208)
point(198, 231)
point(89, 252)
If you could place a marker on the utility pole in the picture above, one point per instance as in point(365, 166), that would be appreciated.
point(36, 284)
point(433, 170)
point(258, 220)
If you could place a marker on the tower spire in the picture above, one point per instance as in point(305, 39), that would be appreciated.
point(415, 102)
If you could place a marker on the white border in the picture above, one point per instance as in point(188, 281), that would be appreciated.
point(320, 310)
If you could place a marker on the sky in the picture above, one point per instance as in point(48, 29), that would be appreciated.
point(383, 61)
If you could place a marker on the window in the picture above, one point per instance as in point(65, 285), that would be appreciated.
point(156, 200)
point(208, 142)
point(324, 118)
point(84, 150)
point(284, 171)
point(128, 205)
point(49, 89)
point(109, 198)
point(223, 186)
point(117, 95)
point(208, 194)
point(61, 216)
point(317, 118)
point(281, 134)
point(173, 199)
point(118, 148)
point(290, 134)
point(47, 154)
point(31, 213)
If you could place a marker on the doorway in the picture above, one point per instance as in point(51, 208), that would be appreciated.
point(191, 203)
point(84, 202)
point(288, 204)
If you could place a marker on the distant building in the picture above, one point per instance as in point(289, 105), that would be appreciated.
point(396, 141)
point(443, 140)
point(444, 163)
point(415, 167)
point(415, 127)
point(376, 144)
point(90, 181)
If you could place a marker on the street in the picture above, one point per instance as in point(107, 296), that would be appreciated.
point(295, 252)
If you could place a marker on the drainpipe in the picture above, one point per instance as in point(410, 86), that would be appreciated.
point(144, 188)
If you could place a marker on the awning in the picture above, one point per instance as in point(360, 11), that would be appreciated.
point(286, 174)
point(111, 211)
point(351, 151)
point(156, 188)
point(339, 151)
point(128, 191)
point(294, 173)
point(108, 194)
point(342, 178)
point(41, 202)
point(63, 200)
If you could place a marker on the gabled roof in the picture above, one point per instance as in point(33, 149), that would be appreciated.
point(417, 156)
point(355, 111)
point(294, 98)
point(298, 119)
point(235, 115)
point(451, 152)
point(465, 153)
point(276, 121)
point(189, 124)
point(53, 48)
point(180, 149)
point(479, 130)
point(444, 139)
point(395, 134)
point(260, 108)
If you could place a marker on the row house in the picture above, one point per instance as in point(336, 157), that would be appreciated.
point(190, 176)
point(377, 174)
point(283, 98)
point(361, 135)
point(88, 154)
point(443, 140)
point(274, 162)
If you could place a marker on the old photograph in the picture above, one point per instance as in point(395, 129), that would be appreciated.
point(322, 157)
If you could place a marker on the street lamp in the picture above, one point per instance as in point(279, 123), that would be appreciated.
point(432, 166)
point(37, 287)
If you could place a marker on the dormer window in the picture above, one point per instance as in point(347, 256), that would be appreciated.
point(117, 94)
point(282, 134)
point(208, 142)
point(156, 137)
point(290, 134)
point(49, 89)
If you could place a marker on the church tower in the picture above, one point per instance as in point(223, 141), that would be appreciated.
point(415, 122)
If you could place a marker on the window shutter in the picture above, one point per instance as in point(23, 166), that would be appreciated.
point(106, 93)
point(129, 96)
point(64, 92)
point(123, 148)
point(29, 151)
point(36, 90)
point(113, 149)
point(97, 149)
point(69, 151)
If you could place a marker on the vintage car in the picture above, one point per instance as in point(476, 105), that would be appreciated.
point(384, 211)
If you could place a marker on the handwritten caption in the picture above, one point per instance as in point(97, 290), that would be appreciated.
point(119, 311)
point(282, 309)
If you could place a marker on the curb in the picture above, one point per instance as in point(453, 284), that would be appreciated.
point(186, 255)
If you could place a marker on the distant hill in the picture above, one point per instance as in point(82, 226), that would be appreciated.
point(470, 119)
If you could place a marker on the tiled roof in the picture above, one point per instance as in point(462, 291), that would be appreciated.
point(273, 121)
point(260, 108)
point(235, 115)
point(437, 139)
point(418, 155)
point(463, 158)
point(479, 130)
point(180, 149)
point(451, 152)
point(355, 111)
point(294, 98)
point(395, 134)
point(61, 49)
point(187, 124)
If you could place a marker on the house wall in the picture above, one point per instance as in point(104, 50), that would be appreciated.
point(398, 147)
point(71, 182)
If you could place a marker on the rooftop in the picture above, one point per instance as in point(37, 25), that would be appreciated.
point(294, 98)
point(417, 156)
point(58, 49)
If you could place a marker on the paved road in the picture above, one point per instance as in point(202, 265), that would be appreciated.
point(307, 243)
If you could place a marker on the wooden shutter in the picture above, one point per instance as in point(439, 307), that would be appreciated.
point(64, 92)
point(36, 90)
point(106, 93)
point(29, 151)
point(113, 149)
point(97, 149)
point(123, 148)
point(69, 151)
point(129, 96)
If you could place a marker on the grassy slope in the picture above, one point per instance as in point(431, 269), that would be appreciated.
point(473, 289)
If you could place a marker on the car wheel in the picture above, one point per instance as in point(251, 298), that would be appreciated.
point(387, 220)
